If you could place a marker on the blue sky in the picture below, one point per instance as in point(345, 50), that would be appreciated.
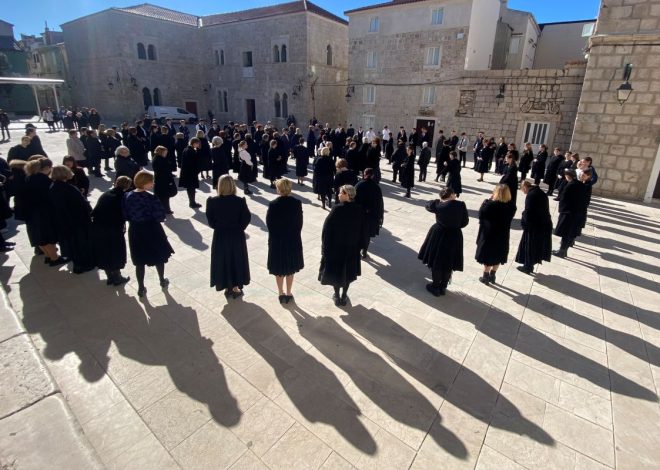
point(57, 12)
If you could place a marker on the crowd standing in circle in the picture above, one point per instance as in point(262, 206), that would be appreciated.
point(52, 199)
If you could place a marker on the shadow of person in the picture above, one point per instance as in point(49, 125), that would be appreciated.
point(623, 221)
point(508, 330)
point(379, 381)
point(448, 378)
point(184, 229)
point(313, 389)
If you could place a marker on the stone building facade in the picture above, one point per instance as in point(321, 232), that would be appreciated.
point(261, 64)
point(623, 139)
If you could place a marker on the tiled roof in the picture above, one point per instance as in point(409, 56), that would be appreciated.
point(153, 11)
point(265, 12)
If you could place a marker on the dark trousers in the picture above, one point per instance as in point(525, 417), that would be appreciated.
point(475, 155)
point(166, 203)
point(440, 278)
point(191, 195)
point(5, 128)
point(566, 243)
point(422, 173)
point(395, 173)
point(463, 157)
point(523, 176)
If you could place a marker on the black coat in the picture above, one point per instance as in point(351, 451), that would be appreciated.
point(126, 166)
point(424, 157)
point(136, 149)
point(35, 147)
point(146, 238)
point(284, 220)
point(494, 228)
point(80, 181)
point(398, 157)
point(353, 159)
point(301, 155)
point(526, 161)
point(373, 157)
point(342, 178)
point(39, 211)
point(188, 177)
point(164, 185)
point(486, 156)
point(442, 249)
point(323, 177)
point(538, 167)
point(407, 176)
point(369, 195)
point(536, 242)
point(108, 227)
point(454, 176)
point(228, 216)
point(74, 224)
point(572, 209)
point(510, 178)
point(343, 236)
point(18, 152)
point(276, 163)
point(204, 155)
point(93, 151)
point(220, 163)
point(552, 169)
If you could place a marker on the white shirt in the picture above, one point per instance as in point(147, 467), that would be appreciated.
point(462, 144)
point(370, 135)
point(386, 134)
point(245, 156)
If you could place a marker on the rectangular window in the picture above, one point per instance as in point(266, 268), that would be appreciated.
point(222, 101)
point(369, 94)
point(432, 57)
point(437, 16)
point(514, 45)
point(247, 59)
point(371, 60)
point(429, 95)
point(536, 133)
point(588, 30)
point(374, 25)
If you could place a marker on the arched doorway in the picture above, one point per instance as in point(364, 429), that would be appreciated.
point(146, 97)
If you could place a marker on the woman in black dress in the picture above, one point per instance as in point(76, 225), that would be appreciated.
point(146, 237)
point(526, 161)
point(275, 163)
point(189, 169)
point(164, 185)
point(495, 217)
point(500, 155)
point(246, 174)
point(408, 170)
point(369, 195)
point(342, 176)
point(124, 163)
point(510, 175)
point(284, 220)
point(204, 155)
point(228, 216)
point(442, 250)
point(74, 223)
point(536, 241)
point(323, 177)
point(301, 156)
point(80, 179)
point(343, 237)
point(220, 161)
point(108, 227)
point(485, 158)
point(538, 164)
point(454, 174)
point(39, 211)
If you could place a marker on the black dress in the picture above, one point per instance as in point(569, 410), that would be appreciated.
point(454, 176)
point(536, 242)
point(146, 237)
point(164, 186)
point(204, 155)
point(39, 211)
point(322, 180)
point(126, 166)
point(343, 177)
point(494, 227)
point(276, 163)
point(228, 216)
point(572, 208)
point(551, 170)
point(510, 178)
point(220, 163)
point(343, 236)
point(188, 177)
point(301, 155)
point(74, 224)
point(108, 227)
point(526, 162)
point(486, 155)
point(369, 195)
point(442, 249)
point(408, 172)
point(284, 220)
point(538, 166)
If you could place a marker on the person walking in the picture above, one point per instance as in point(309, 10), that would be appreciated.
point(572, 210)
point(284, 220)
point(108, 227)
point(369, 195)
point(538, 164)
point(323, 177)
point(454, 174)
point(246, 174)
point(397, 159)
point(189, 170)
point(495, 216)
point(228, 215)
point(342, 239)
point(442, 250)
point(164, 185)
point(4, 125)
point(536, 241)
point(301, 155)
point(146, 238)
point(510, 174)
point(526, 161)
point(343, 176)
point(424, 160)
point(372, 159)
point(275, 163)
point(462, 147)
point(408, 170)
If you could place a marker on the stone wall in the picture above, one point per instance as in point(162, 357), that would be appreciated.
point(623, 139)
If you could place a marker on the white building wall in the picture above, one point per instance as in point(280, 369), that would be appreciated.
point(481, 40)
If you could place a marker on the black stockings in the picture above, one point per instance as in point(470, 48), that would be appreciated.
point(139, 273)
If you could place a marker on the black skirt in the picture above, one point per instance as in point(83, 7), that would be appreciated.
point(109, 247)
point(229, 260)
point(442, 249)
point(148, 243)
point(285, 257)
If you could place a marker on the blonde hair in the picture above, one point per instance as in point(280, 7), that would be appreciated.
point(341, 163)
point(110, 132)
point(61, 173)
point(200, 134)
point(26, 138)
point(18, 164)
point(501, 193)
point(348, 190)
point(226, 186)
point(142, 179)
point(160, 151)
point(283, 186)
point(325, 152)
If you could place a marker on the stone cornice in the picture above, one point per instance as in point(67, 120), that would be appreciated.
point(625, 39)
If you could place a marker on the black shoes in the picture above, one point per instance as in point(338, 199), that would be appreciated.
point(492, 277)
point(194, 205)
point(525, 269)
point(58, 262)
point(363, 254)
point(142, 291)
point(285, 299)
point(343, 300)
point(247, 192)
point(164, 283)
point(336, 299)
point(436, 291)
point(560, 253)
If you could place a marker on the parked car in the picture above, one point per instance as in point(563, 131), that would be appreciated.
point(160, 113)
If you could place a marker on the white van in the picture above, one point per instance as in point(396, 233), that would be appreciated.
point(170, 112)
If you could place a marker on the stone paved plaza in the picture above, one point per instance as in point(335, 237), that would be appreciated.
point(556, 370)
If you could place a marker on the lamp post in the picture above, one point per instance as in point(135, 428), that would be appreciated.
point(625, 89)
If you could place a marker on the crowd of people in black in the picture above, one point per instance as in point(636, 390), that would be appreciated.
point(52, 199)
